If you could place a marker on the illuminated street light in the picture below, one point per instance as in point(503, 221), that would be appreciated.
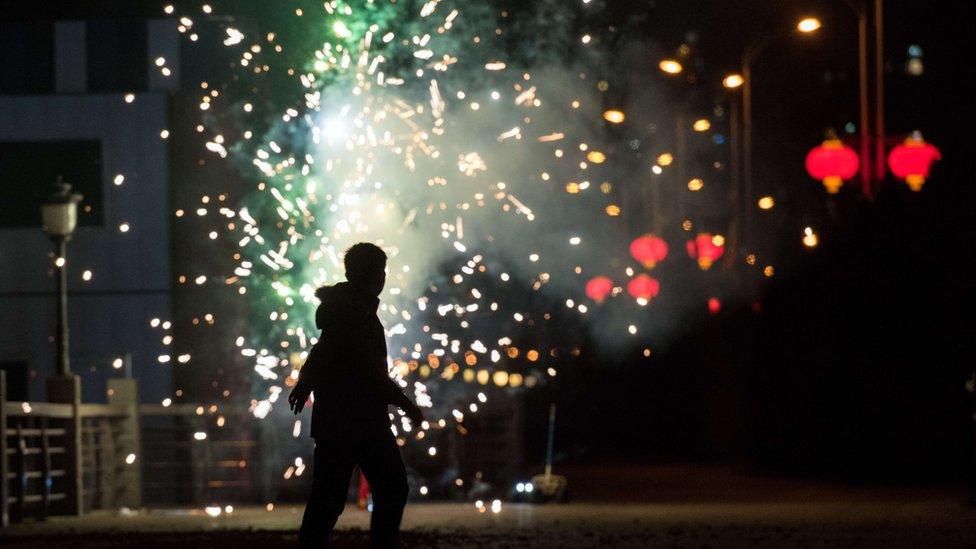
point(805, 26)
point(733, 80)
point(808, 24)
point(701, 125)
point(810, 239)
point(59, 217)
point(670, 66)
point(614, 116)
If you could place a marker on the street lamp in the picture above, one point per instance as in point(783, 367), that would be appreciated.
point(807, 25)
point(59, 216)
point(670, 66)
point(732, 81)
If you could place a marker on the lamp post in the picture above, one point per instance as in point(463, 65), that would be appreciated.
point(805, 26)
point(59, 216)
point(733, 82)
point(741, 142)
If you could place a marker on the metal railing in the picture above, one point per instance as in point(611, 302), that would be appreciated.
point(36, 457)
point(196, 454)
point(69, 457)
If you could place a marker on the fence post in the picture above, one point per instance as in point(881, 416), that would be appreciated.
point(4, 484)
point(67, 390)
point(128, 481)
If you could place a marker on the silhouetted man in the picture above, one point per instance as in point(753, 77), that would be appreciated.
point(347, 371)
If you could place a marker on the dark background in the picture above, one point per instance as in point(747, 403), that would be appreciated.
point(851, 361)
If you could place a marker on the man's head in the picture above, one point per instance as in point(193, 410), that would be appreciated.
point(366, 267)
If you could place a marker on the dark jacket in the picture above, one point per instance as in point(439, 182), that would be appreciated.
point(347, 368)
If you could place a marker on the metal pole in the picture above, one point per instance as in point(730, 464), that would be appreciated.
point(680, 148)
point(5, 484)
point(879, 122)
point(735, 170)
point(862, 63)
point(746, 146)
point(549, 440)
point(61, 336)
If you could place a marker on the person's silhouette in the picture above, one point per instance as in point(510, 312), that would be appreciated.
point(347, 371)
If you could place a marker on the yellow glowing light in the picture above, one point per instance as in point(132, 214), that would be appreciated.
point(500, 378)
point(810, 239)
point(613, 210)
point(483, 377)
point(695, 184)
point(718, 240)
point(733, 80)
point(596, 157)
point(808, 24)
point(665, 159)
point(670, 66)
point(701, 125)
point(614, 116)
point(572, 187)
point(766, 203)
point(768, 270)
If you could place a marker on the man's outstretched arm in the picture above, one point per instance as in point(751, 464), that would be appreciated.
point(303, 389)
point(392, 394)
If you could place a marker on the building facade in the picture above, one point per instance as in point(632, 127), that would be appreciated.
point(88, 101)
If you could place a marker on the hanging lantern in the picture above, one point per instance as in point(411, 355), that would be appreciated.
point(598, 288)
point(832, 162)
point(714, 305)
point(706, 248)
point(643, 288)
point(912, 160)
point(648, 249)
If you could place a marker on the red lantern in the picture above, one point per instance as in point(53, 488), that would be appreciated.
point(598, 288)
point(649, 249)
point(714, 305)
point(912, 160)
point(643, 287)
point(832, 162)
point(706, 249)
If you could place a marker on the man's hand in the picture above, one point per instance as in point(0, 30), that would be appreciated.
point(298, 397)
point(415, 414)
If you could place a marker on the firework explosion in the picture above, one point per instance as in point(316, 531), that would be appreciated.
point(479, 169)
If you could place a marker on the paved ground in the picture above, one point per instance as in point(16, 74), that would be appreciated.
point(927, 521)
point(616, 506)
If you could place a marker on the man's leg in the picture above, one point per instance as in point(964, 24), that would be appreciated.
point(382, 465)
point(330, 486)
